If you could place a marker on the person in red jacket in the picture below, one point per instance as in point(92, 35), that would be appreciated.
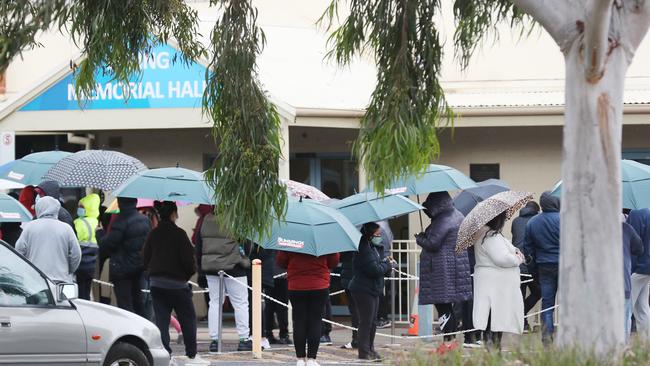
point(309, 280)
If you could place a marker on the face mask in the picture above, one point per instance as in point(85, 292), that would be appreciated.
point(376, 240)
point(81, 212)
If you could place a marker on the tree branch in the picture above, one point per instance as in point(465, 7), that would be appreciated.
point(596, 45)
point(558, 17)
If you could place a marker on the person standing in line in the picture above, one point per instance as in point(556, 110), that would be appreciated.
point(518, 236)
point(169, 259)
point(542, 250)
point(86, 225)
point(52, 189)
point(123, 243)
point(50, 244)
point(632, 247)
point(201, 212)
point(308, 281)
point(640, 289)
point(385, 251)
point(444, 276)
point(367, 285)
point(347, 273)
point(325, 327)
point(498, 306)
point(217, 251)
point(279, 290)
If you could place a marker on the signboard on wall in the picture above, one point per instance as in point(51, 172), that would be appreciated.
point(162, 83)
point(7, 147)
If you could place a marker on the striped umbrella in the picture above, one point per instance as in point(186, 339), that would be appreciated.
point(101, 169)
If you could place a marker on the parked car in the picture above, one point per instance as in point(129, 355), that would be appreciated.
point(43, 322)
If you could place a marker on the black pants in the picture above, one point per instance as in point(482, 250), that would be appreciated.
point(352, 307)
point(203, 283)
point(448, 319)
point(384, 302)
point(367, 307)
point(84, 283)
point(307, 309)
point(467, 308)
point(278, 291)
point(326, 328)
point(180, 301)
point(535, 293)
point(129, 295)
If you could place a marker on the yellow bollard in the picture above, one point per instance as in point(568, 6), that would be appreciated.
point(257, 308)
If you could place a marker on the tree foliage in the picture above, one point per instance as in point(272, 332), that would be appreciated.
point(245, 175)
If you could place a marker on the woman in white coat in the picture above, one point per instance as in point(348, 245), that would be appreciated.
point(498, 306)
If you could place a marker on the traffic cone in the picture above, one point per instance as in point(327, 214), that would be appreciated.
point(414, 319)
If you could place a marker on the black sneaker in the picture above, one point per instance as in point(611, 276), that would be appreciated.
point(325, 340)
point(245, 345)
point(214, 347)
point(285, 340)
point(272, 339)
point(383, 323)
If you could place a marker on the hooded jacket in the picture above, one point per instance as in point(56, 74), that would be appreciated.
point(52, 189)
point(542, 237)
point(444, 276)
point(217, 252)
point(125, 240)
point(50, 244)
point(640, 221)
point(519, 230)
point(168, 253)
point(86, 226)
point(369, 270)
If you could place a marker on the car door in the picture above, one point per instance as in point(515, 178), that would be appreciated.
point(33, 329)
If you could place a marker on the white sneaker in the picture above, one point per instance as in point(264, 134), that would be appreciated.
point(197, 361)
point(311, 362)
point(300, 363)
point(265, 344)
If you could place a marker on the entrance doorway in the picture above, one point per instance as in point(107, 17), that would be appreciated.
point(336, 175)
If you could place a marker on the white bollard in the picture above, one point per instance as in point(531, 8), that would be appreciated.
point(257, 309)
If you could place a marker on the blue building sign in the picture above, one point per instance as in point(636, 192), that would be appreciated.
point(162, 84)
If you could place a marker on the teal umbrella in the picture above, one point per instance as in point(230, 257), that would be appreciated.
point(370, 206)
point(30, 169)
point(435, 178)
point(12, 211)
point(312, 228)
point(167, 184)
point(635, 179)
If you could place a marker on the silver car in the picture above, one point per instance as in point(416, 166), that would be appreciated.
point(42, 323)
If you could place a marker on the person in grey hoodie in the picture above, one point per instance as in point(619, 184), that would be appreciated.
point(50, 244)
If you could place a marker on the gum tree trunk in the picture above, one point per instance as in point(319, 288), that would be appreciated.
point(598, 39)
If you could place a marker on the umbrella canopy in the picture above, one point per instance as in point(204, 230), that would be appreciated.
point(101, 169)
point(370, 206)
point(30, 169)
point(298, 190)
point(168, 184)
point(509, 202)
point(8, 184)
point(312, 228)
point(468, 198)
point(12, 211)
point(114, 208)
point(635, 179)
point(435, 178)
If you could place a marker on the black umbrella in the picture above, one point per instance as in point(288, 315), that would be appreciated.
point(467, 199)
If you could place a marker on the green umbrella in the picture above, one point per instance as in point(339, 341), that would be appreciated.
point(435, 178)
point(312, 228)
point(366, 207)
point(167, 184)
point(635, 179)
point(30, 169)
point(12, 211)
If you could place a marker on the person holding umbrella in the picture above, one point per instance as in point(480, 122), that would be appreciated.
point(367, 285)
point(498, 305)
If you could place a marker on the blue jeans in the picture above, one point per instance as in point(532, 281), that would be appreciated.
point(548, 277)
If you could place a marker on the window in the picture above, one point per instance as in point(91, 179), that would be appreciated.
point(481, 172)
point(20, 283)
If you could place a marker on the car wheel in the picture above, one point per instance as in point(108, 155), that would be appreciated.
point(125, 354)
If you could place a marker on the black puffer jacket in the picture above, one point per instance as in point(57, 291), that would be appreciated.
point(52, 189)
point(369, 270)
point(125, 240)
point(347, 268)
point(444, 276)
point(519, 231)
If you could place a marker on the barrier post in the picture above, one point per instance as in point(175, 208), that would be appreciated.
point(392, 309)
point(222, 289)
point(257, 309)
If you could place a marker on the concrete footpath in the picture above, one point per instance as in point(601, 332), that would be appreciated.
point(285, 355)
